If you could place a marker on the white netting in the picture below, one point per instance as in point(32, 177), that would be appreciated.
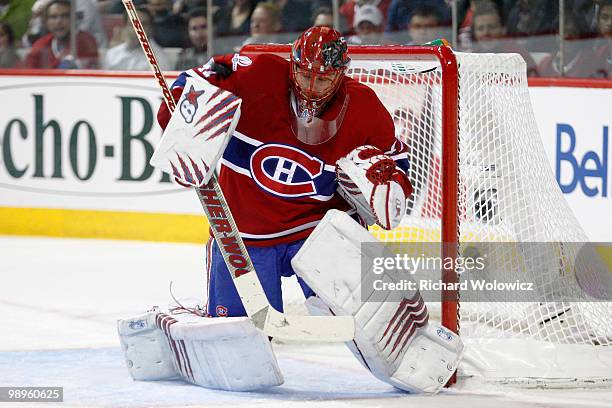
point(507, 193)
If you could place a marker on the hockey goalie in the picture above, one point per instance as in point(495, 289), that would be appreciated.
point(313, 152)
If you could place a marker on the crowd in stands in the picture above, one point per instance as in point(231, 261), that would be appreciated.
point(37, 33)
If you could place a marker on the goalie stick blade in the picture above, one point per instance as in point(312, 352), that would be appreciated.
point(289, 327)
point(309, 328)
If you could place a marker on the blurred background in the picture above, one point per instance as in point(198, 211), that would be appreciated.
point(570, 38)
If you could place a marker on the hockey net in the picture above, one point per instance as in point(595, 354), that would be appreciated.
point(480, 174)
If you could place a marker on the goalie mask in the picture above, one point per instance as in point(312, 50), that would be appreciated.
point(319, 59)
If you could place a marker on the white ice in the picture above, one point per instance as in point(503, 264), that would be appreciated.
point(60, 298)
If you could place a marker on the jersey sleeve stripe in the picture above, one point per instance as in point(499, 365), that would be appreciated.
point(237, 169)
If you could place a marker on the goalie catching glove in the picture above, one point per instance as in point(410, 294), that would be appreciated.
point(371, 182)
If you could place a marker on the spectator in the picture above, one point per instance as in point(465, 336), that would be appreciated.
point(128, 56)
point(88, 20)
point(197, 54)
point(579, 61)
point(368, 25)
point(400, 12)
point(466, 19)
point(36, 26)
point(489, 33)
point(424, 24)
point(588, 8)
point(53, 49)
point(348, 9)
point(532, 17)
point(466, 8)
point(265, 24)
point(294, 14)
point(8, 56)
point(184, 7)
point(17, 14)
point(235, 17)
point(169, 29)
point(323, 17)
point(603, 44)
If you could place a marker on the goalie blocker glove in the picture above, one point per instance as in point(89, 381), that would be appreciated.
point(372, 183)
point(212, 67)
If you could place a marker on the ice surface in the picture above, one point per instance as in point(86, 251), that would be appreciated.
point(60, 298)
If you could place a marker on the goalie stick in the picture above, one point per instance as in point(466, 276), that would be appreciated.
point(264, 316)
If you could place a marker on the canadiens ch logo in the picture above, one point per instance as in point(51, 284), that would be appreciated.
point(285, 170)
point(221, 311)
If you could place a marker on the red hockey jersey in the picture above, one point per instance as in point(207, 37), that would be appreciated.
point(277, 187)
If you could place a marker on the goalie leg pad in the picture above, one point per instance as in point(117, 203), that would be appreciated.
point(393, 336)
point(146, 350)
point(219, 353)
